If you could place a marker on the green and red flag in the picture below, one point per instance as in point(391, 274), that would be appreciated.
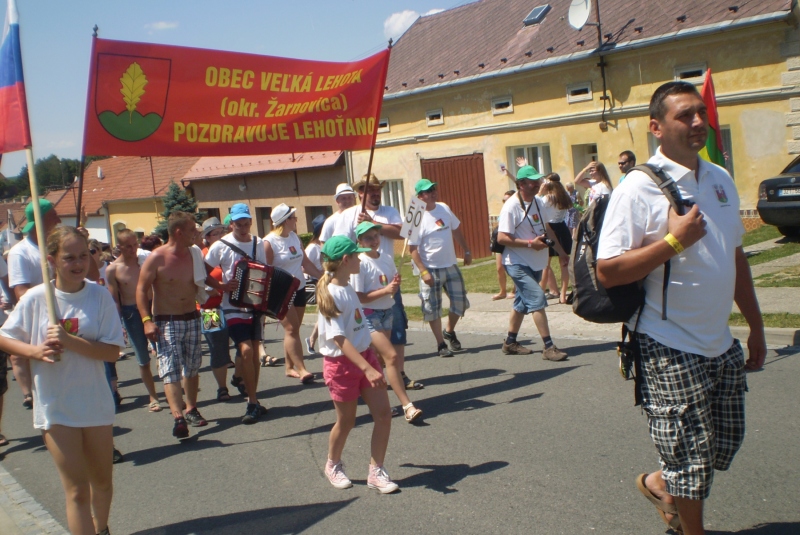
point(713, 151)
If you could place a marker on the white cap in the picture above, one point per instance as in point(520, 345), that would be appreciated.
point(343, 189)
point(281, 213)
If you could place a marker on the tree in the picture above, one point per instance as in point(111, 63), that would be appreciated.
point(51, 173)
point(176, 200)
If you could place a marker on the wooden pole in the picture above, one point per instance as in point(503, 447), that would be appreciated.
point(366, 182)
point(39, 229)
point(83, 147)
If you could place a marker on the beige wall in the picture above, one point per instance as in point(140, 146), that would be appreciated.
point(749, 75)
point(316, 188)
point(139, 216)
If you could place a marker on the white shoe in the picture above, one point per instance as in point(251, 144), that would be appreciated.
point(309, 347)
point(335, 474)
point(378, 479)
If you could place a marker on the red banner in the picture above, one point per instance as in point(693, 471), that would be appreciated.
point(157, 100)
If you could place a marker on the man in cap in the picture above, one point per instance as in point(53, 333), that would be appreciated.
point(345, 197)
point(523, 229)
point(434, 254)
point(244, 326)
point(25, 272)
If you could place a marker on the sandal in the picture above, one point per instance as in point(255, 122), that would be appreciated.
point(410, 383)
point(27, 401)
point(307, 379)
point(155, 406)
point(223, 394)
point(662, 507)
point(411, 413)
point(268, 360)
point(238, 382)
point(3, 441)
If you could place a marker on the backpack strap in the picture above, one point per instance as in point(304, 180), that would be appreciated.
point(670, 190)
point(254, 247)
point(236, 249)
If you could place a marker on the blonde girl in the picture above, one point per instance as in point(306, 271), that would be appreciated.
point(594, 177)
point(555, 196)
point(376, 283)
point(350, 366)
point(284, 249)
point(72, 404)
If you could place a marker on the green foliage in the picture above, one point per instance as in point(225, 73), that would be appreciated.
point(306, 238)
point(176, 200)
point(51, 173)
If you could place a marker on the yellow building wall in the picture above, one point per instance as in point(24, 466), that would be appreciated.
point(138, 216)
point(746, 64)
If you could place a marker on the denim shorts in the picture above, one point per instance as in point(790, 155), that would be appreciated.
point(529, 296)
point(379, 320)
point(219, 347)
point(132, 321)
point(399, 321)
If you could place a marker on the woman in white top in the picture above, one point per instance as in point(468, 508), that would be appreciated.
point(72, 404)
point(314, 253)
point(555, 196)
point(594, 177)
point(285, 250)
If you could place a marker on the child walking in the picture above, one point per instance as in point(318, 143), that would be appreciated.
point(72, 406)
point(350, 366)
point(375, 284)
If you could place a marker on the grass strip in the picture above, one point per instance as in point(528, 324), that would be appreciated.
point(773, 319)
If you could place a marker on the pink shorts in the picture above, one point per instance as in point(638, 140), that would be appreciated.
point(344, 379)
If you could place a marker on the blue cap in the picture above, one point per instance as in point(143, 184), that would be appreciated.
point(240, 211)
point(316, 224)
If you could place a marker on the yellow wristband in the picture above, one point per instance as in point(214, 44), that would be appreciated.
point(423, 273)
point(674, 243)
point(146, 319)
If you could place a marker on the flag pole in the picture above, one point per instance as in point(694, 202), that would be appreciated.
point(375, 135)
point(82, 167)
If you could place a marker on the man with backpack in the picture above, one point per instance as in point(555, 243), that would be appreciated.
point(692, 371)
point(524, 231)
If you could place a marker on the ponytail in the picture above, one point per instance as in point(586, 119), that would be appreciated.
point(325, 304)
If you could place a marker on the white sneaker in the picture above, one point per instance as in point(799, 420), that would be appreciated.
point(310, 348)
point(379, 479)
point(335, 474)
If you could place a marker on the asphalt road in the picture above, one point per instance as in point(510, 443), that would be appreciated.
point(508, 445)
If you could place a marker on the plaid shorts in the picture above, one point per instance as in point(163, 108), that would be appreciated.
point(695, 411)
point(178, 349)
point(452, 282)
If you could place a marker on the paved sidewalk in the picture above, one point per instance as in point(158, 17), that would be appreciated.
point(20, 514)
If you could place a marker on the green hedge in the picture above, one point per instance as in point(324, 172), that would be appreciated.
point(306, 238)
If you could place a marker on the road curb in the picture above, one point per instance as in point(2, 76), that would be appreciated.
point(776, 336)
point(20, 514)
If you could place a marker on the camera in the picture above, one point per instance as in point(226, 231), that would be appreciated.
point(549, 242)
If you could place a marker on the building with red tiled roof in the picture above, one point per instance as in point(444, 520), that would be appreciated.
point(471, 88)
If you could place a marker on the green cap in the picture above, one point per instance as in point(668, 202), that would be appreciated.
point(528, 172)
point(44, 205)
point(339, 246)
point(227, 220)
point(364, 226)
point(423, 185)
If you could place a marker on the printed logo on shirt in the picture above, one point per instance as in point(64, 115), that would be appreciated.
point(358, 317)
point(383, 280)
point(535, 218)
point(721, 195)
point(70, 325)
point(292, 250)
point(440, 223)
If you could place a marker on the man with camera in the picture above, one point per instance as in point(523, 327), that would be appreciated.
point(526, 235)
point(692, 370)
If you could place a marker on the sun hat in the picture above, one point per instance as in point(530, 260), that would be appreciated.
point(340, 246)
point(240, 211)
point(44, 205)
point(366, 226)
point(343, 189)
point(210, 225)
point(528, 172)
point(281, 213)
point(423, 184)
point(373, 181)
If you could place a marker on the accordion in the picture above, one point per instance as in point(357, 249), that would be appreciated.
point(261, 288)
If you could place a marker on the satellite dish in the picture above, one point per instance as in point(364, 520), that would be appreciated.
point(579, 13)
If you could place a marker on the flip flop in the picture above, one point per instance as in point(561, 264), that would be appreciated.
point(662, 507)
point(155, 406)
point(4, 441)
point(307, 379)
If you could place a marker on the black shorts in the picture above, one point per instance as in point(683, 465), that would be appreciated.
point(300, 298)
point(242, 331)
point(564, 237)
point(3, 372)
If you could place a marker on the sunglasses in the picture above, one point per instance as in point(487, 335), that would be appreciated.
point(623, 163)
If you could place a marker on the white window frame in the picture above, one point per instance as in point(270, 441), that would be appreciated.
point(538, 155)
point(498, 107)
point(393, 194)
point(381, 128)
point(683, 69)
point(430, 117)
point(580, 97)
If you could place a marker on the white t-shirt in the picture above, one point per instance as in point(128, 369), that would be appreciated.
point(223, 256)
point(141, 255)
point(702, 278)
point(598, 188)
point(512, 221)
point(73, 392)
point(288, 255)
point(3, 273)
point(375, 273)
point(24, 264)
point(384, 215)
point(314, 253)
point(556, 214)
point(351, 323)
point(328, 226)
point(435, 238)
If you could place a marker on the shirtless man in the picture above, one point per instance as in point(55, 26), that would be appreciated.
point(175, 321)
point(122, 278)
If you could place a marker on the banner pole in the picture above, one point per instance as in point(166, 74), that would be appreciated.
point(85, 128)
point(375, 134)
point(39, 228)
point(366, 183)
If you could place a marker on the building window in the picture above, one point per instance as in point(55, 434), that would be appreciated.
point(536, 155)
point(263, 222)
point(501, 105)
point(383, 125)
point(313, 211)
point(579, 92)
point(211, 212)
point(694, 74)
point(652, 144)
point(434, 117)
point(393, 195)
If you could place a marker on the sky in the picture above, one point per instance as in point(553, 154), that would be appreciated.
point(56, 43)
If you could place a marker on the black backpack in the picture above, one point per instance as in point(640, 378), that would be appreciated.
point(592, 301)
